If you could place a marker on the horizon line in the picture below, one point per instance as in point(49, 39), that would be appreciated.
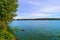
point(39, 19)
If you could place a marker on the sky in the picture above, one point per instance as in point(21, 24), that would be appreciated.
point(38, 9)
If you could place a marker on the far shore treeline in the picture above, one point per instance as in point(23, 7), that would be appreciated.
point(39, 19)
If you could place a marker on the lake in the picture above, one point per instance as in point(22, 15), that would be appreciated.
point(31, 29)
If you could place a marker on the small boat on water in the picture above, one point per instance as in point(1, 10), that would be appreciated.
point(22, 30)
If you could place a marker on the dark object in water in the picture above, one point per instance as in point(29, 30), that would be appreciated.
point(22, 30)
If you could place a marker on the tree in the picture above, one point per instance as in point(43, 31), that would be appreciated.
point(8, 9)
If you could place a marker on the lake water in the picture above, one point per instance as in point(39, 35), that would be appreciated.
point(32, 28)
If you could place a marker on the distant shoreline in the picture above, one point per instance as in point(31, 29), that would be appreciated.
point(40, 19)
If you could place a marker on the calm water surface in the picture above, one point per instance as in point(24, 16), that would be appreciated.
point(32, 28)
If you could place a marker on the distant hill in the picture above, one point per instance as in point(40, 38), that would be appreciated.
point(39, 19)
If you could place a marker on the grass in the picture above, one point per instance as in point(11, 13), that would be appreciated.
point(5, 35)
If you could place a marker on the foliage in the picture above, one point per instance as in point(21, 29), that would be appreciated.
point(7, 12)
point(8, 9)
point(5, 35)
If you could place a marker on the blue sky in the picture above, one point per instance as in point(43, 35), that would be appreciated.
point(38, 9)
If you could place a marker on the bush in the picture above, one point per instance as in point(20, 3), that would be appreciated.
point(5, 35)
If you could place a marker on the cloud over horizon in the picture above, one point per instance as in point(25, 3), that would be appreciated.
point(38, 8)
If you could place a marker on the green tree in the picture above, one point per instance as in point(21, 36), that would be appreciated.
point(8, 9)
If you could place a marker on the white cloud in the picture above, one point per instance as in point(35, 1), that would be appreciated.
point(41, 15)
point(51, 9)
point(44, 6)
point(34, 15)
point(35, 3)
point(35, 8)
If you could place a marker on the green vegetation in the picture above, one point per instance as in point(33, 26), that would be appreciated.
point(7, 12)
point(5, 35)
